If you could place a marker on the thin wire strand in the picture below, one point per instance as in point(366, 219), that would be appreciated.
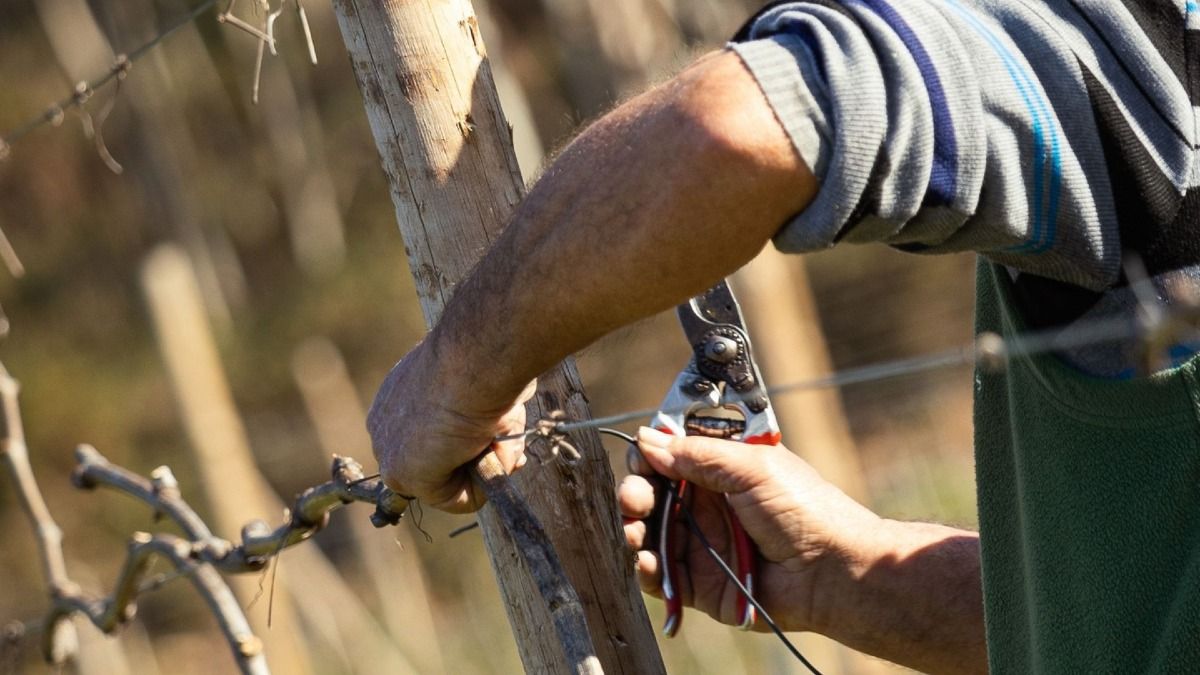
point(712, 552)
point(418, 518)
point(985, 350)
point(75, 99)
point(463, 529)
point(619, 434)
point(988, 350)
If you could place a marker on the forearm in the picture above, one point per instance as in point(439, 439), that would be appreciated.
point(911, 594)
point(631, 219)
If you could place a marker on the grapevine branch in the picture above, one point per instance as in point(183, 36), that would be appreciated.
point(309, 513)
point(202, 556)
point(198, 555)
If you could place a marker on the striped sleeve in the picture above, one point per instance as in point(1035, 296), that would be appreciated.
point(950, 125)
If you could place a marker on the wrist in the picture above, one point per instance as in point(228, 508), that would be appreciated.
point(907, 592)
point(465, 376)
point(839, 574)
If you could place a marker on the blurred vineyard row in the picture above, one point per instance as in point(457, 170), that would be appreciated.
point(280, 212)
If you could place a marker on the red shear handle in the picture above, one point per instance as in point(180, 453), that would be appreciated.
point(746, 562)
point(766, 438)
point(744, 565)
point(667, 546)
point(745, 553)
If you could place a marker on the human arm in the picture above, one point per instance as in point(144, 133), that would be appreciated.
point(663, 197)
point(921, 141)
point(906, 592)
point(653, 203)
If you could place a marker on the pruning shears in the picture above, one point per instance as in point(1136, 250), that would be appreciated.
point(719, 393)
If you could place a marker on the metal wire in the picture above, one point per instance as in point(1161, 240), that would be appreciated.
point(84, 90)
point(724, 566)
point(988, 350)
point(712, 552)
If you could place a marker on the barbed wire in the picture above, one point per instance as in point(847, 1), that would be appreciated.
point(83, 91)
point(1158, 325)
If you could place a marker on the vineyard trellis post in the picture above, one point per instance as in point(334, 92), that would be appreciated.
point(447, 152)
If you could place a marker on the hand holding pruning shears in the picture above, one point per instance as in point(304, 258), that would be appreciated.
point(720, 378)
point(764, 510)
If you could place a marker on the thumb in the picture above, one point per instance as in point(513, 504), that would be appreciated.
point(528, 392)
point(711, 463)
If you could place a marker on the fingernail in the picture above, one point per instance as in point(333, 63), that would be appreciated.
point(653, 438)
point(636, 462)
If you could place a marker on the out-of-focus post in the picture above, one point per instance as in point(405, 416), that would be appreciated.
point(387, 561)
point(314, 595)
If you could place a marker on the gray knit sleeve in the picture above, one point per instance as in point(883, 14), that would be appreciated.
point(944, 125)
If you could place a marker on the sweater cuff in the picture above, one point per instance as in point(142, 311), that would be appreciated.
point(781, 65)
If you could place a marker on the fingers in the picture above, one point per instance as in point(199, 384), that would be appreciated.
point(635, 533)
point(636, 462)
point(427, 447)
point(649, 573)
point(460, 494)
point(635, 496)
point(511, 453)
point(715, 464)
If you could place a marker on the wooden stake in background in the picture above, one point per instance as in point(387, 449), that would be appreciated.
point(314, 595)
point(387, 561)
point(445, 145)
point(790, 347)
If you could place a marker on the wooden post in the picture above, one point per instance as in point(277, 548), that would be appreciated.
point(447, 153)
point(222, 457)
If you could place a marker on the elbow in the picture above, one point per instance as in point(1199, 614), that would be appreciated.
point(729, 128)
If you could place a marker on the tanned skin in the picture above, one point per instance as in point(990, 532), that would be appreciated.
point(652, 204)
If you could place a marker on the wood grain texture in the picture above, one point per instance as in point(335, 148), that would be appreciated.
point(447, 152)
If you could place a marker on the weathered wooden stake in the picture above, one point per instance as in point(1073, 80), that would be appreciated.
point(447, 153)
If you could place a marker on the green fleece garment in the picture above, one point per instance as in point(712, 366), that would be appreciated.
point(1089, 511)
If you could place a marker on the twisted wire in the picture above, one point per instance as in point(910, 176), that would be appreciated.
point(84, 90)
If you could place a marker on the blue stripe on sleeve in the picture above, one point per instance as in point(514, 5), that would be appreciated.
point(943, 179)
point(1039, 241)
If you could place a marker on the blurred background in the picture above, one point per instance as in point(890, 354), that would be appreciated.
point(227, 303)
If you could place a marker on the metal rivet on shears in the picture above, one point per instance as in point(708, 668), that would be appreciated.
point(721, 349)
